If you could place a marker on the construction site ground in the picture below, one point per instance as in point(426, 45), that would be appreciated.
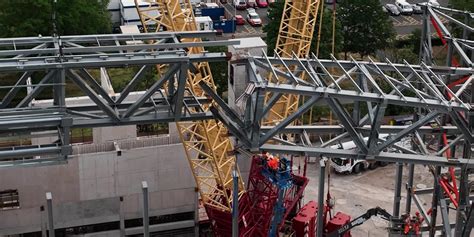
point(356, 193)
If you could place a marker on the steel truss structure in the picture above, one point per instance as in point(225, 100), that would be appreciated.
point(378, 86)
point(208, 149)
point(447, 193)
point(57, 63)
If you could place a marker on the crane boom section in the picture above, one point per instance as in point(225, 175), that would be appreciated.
point(294, 40)
point(207, 146)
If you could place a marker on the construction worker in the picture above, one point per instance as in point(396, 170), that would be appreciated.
point(273, 162)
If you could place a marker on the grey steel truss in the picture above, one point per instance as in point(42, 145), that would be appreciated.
point(59, 62)
point(337, 83)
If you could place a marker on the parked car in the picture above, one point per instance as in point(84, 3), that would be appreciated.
point(253, 18)
point(345, 165)
point(262, 3)
point(392, 9)
point(404, 7)
point(271, 2)
point(239, 20)
point(433, 3)
point(417, 9)
point(251, 3)
point(240, 4)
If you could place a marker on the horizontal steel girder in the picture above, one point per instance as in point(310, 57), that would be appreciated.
point(346, 64)
point(353, 154)
point(110, 60)
point(337, 129)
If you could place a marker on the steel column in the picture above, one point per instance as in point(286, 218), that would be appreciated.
point(235, 205)
point(409, 187)
point(398, 190)
point(146, 217)
point(49, 206)
point(321, 209)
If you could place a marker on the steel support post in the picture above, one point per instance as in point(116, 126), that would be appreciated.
point(435, 201)
point(445, 217)
point(122, 218)
point(146, 218)
point(398, 190)
point(409, 187)
point(49, 206)
point(44, 224)
point(356, 111)
point(320, 220)
point(235, 203)
point(462, 212)
point(196, 212)
point(422, 53)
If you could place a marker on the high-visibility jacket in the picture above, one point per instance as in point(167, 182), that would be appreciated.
point(273, 163)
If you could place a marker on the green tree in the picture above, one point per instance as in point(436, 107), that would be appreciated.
point(467, 5)
point(272, 29)
point(366, 28)
point(325, 45)
point(275, 11)
point(33, 17)
point(219, 70)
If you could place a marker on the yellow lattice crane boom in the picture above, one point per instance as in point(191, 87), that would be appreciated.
point(207, 146)
point(294, 39)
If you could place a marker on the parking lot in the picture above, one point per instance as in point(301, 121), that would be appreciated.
point(404, 25)
point(248, 30)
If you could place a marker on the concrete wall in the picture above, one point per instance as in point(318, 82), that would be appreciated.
point(105, 134)
point(86, 189)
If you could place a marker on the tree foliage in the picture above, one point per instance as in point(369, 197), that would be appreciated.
point(272, 29)
point(33, 17)
point(325, 45)
point(275, 11)
point(467, 5)
point(366, 28)
point(219, 70)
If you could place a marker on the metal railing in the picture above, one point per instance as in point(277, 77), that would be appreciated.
point(127, 144)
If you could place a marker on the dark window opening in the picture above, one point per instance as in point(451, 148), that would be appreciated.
point(9, 199)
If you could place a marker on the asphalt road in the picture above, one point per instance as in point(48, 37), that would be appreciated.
point(404, 25)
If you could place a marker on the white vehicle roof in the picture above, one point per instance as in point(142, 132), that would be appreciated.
point(249, 10)
point(253, 14)
point(351, 145)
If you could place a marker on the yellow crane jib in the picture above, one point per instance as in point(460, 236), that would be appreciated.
point(206, 143)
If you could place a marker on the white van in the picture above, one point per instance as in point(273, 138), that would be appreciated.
point(240, 4)
point(344, 165)
point(404, 7)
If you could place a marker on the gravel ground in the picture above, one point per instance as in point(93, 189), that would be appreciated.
point(356, 193)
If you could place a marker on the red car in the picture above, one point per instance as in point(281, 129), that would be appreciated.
point(239, 20)
point(262, 3)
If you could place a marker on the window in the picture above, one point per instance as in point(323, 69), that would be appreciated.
point(9, 199)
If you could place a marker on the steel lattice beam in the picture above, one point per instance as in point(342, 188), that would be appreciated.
point(70, 62)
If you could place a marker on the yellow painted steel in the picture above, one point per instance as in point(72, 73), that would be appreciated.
point(207, 146)
point(295, 36)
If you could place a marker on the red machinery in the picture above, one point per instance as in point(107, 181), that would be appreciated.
point(263, 197)
point(304, 224)
point(448, 181)
point(257, 205)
